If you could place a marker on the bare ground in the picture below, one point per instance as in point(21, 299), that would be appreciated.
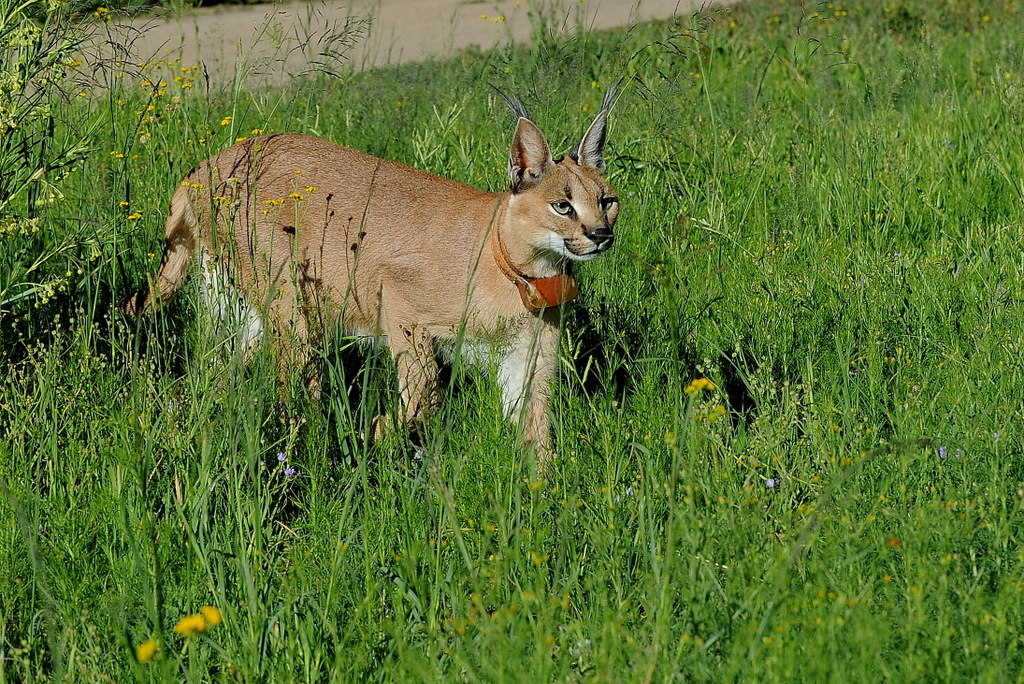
point(277, 42)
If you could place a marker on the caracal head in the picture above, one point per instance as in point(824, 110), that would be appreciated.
point(564, 209)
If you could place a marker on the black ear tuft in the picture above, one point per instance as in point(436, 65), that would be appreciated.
point(613, 92)
point(515, 104)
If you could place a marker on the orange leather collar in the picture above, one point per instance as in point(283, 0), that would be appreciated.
point(537, 293)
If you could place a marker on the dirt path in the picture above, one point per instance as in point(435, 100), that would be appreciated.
point(276, 42)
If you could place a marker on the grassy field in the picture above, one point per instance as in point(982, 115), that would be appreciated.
point(822, 214)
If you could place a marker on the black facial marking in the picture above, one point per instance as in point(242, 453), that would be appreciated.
point(568, 193)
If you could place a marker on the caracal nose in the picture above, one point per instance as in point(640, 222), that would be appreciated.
point(601, 236)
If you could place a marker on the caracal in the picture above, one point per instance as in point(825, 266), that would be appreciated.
point(314, 233)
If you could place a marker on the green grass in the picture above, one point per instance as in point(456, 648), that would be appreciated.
point(822, 213)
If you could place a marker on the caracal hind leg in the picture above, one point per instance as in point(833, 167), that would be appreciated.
point(413, 350)
point(234, 320)
point(297, 344)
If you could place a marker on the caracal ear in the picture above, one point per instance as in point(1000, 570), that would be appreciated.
point(590, 151)
point(529, 158)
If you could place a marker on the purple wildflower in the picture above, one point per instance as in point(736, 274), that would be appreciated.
point(770, 483)
point(290, 472)
point(282, 457)
point(942, 453)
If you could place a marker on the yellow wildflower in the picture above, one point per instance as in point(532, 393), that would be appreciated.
point(191, 625)
point(698, 385)
point(212, 615)
point(146, 650)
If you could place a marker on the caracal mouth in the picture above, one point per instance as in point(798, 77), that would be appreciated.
point(593, 253)
point(563, 248)
point(586, 256)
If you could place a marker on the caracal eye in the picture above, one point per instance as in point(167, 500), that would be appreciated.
point(563, 208)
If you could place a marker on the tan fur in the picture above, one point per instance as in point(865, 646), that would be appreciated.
point(312, 231)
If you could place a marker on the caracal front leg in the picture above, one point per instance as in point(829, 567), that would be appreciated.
point(413, 350)
point(525, 376)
